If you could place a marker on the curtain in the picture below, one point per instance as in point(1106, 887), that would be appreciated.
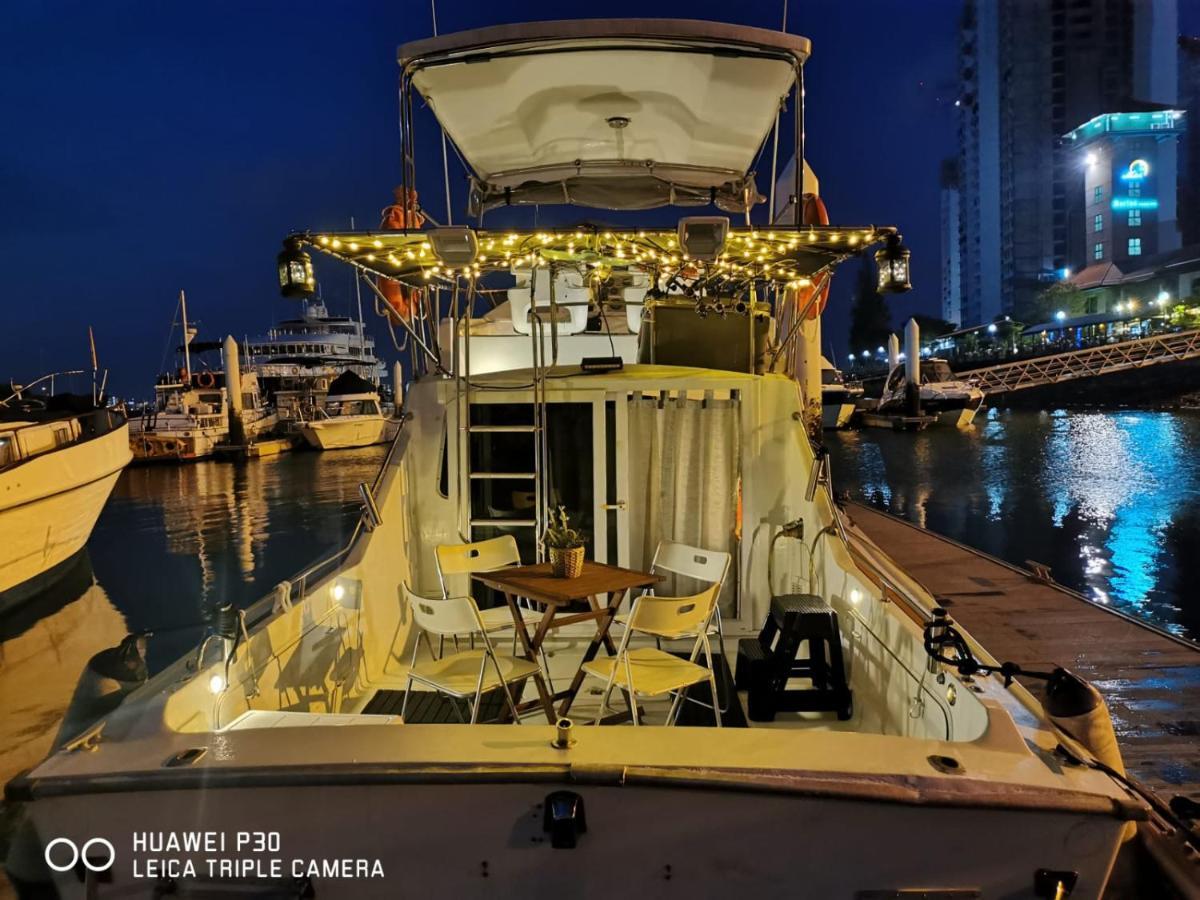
point(683, 472)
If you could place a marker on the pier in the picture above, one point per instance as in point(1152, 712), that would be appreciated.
point(1149, 678)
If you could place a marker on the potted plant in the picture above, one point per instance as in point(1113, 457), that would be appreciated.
point(565, 545)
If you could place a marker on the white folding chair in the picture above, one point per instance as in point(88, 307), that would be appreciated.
point(486, 556)
point(704, 567)
point(465, 673)
point(649, 671)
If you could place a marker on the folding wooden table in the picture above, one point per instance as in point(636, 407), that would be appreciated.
point(539, 584)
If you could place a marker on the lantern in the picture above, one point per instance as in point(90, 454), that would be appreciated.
point(296, 277)
point(892, 261)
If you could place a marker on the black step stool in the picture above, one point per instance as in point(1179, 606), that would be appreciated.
point(765, 663)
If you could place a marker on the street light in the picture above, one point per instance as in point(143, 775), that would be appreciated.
point(1163, 297)
point(992, 328)
point(1060, 315)
point(1091, 159)
point(880, 350)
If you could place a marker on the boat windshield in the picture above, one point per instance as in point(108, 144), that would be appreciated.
point(352, 408)
point(936, 370)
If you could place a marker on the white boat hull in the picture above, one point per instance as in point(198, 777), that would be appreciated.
point(347, 431)
point(836, 415)
point(51, 503)
point(653, 839)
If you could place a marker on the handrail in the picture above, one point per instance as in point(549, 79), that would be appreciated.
point(18, 391)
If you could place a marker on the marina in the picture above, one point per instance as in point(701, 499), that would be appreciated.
point(602, 557)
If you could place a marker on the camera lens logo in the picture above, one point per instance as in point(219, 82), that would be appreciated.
point(66, 859)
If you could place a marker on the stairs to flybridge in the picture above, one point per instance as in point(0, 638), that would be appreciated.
point(1076, 364)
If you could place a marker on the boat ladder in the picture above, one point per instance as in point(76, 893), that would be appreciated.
point(478, 439)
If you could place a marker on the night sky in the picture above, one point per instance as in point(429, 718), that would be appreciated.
point(149, 147)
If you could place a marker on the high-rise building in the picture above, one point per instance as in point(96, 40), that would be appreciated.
point(951, 256)
point(1129, 185)
point(1189, 145)
point(1031, 70)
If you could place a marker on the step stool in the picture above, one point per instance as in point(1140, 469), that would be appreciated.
point(765, 663)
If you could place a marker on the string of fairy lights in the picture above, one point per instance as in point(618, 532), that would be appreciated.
point(783, 258)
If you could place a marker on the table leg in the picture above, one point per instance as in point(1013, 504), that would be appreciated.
point(530, 646)
point(603, 623)
point(608, 641)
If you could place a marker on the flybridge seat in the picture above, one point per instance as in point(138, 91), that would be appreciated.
point(574, 294)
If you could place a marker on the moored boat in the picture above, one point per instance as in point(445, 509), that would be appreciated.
point(839, 398)
point(913, 764)
point(351, 416)
point(951, 400)
point(59, 459)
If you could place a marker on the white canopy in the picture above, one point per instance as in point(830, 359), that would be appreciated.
point(628, 112)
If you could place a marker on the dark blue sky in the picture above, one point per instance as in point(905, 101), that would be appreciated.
point(149, 147)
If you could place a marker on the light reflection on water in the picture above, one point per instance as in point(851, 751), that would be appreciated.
point(1109, 500)
point(174, 541)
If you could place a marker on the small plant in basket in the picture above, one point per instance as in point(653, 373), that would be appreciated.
point(565, 545)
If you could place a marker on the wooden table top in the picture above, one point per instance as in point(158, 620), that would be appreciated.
point(539, 583)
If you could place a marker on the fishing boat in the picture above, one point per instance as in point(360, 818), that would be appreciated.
point(949, 399)
point(351, 416)
point(60, 456)
point(299, 358)
point(839, 398)
point(197, 409)
point(907, 763)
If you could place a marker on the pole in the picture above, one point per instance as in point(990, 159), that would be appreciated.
point(893, 352)
point(912, 365)
point(95, 364)
point(358, 298)
point(187, 355)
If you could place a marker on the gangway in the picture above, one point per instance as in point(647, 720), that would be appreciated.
point(1104, 360)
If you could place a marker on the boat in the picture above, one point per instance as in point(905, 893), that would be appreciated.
point(60, 456)
point(937, 774)
point(198, 409)
point(299, 358)
point(945, 397)
point(351, 416)
point(839, 398)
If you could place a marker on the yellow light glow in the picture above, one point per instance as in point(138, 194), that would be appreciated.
point(353, 246)
point(336, 243)
point(324, 240)
point(378, 243)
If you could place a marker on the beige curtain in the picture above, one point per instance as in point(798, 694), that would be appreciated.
point(683, 473)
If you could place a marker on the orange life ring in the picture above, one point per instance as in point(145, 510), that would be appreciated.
point(813, 212)
point(206, 379)
point(400, 216)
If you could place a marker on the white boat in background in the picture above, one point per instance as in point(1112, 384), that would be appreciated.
point(839, 398)
point(198, 409)
point(59, 459)
point(952, 400)
point(935, 774)
point(352, 416)
point(298, 359)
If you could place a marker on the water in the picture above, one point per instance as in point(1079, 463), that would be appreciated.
point(173, 542)
point(1109, 500)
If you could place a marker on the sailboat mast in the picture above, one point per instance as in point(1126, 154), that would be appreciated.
point(187, 355)
point(358, 297)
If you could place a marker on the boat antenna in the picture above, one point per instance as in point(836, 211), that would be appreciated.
point(445, 157)
point(358, 297)
point(187, 339)
point(95, 364)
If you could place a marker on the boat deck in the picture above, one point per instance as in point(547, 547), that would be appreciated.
point(1150, 679)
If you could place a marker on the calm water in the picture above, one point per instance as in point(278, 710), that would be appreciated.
point(1109, 500)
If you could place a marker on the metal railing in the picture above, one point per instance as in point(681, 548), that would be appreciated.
point(1103, 360)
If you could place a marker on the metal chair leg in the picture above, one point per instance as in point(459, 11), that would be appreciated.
point(404, 705)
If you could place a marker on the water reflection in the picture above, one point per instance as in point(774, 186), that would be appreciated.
point(1111, 501)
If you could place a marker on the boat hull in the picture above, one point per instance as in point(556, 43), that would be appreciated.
point(654, 840)
point(836, 415)
point(51, 504)
point(332, 434)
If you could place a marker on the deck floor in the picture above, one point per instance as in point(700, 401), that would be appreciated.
point(1150, 680)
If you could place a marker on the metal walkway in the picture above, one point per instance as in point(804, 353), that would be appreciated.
point(1104, 360)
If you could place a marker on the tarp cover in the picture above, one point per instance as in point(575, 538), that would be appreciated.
point(645, 109)
point(350, 383)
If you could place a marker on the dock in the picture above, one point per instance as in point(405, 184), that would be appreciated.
point(896, 422)
point(1149, 678)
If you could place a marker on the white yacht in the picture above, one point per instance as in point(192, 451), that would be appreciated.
point(939, 776)
point(839, 398)
point(298, 359)
point(953, 400)
point(59, 459)
point(351, 416)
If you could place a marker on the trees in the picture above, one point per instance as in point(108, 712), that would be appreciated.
point(870, 318)
point(1062, 295)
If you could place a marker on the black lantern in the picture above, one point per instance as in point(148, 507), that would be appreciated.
point(296, 277)
point(892, 261)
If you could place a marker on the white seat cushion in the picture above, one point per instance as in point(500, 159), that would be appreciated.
point(458, 673)
point(654, 671)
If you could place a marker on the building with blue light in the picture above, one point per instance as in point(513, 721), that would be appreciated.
point(1129, 160)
